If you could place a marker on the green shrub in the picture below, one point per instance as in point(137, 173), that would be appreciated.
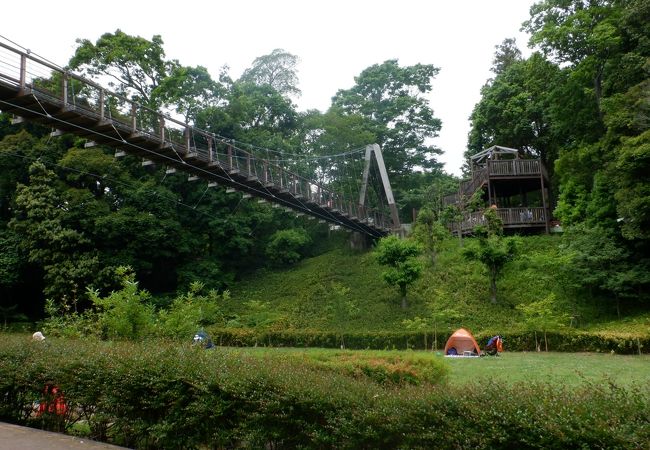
point(562, 341)
point(129, 314)
point(125, 313)
point(157, 395)
point(191, 311)
point(287, 246)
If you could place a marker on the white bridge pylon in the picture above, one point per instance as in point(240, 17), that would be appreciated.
point(374, 149)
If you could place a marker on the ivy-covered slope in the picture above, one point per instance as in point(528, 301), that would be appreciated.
point(344, 291)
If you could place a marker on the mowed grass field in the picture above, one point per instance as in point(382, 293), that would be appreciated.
point(568, 369)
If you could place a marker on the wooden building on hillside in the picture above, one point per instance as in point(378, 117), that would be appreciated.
point(515, 183)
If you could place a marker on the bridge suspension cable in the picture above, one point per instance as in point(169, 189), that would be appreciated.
point(299, 180)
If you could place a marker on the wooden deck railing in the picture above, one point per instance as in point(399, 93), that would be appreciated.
point(511, 217)
point(467, 187)
point(515, 167)
point(507, 168)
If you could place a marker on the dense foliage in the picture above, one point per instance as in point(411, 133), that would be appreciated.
point(450, 293)
point(70, 215)
point(156, 395)
point(580, 103)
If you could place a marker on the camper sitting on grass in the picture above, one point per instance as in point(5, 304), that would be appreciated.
point(494, 346)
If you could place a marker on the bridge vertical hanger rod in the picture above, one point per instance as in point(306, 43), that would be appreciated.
point(23, 72)
point(370, 149)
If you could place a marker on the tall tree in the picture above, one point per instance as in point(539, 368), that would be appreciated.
point(393, 99)
point(278, 70)
point(583, 33)
point(64, 254)
point(188, 90)
point(135, 66)
point(505, 55)
point(403, 267)
point(429, 232)
point(334, 133)
point(515, 110)
point(493, 250)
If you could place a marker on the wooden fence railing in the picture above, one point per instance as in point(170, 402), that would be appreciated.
point(511, 217)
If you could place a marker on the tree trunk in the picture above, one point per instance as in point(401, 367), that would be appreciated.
point(435, 337)
point(545, 342)
point(536, 344)
point(598, 90)
point(426, 344)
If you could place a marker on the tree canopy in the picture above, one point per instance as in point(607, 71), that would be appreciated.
point(580, 102)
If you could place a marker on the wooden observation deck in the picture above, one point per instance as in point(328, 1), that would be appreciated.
point(517, 185)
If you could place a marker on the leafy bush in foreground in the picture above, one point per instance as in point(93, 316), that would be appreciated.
point(157, 395)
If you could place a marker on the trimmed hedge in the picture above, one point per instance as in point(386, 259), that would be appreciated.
point(559, 341)
point(158, 395)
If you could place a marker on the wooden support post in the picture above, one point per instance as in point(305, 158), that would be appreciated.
point(248, 163)
point(210, 158)
point(162, 130)
point(134, 120)
point(546, 209)
point(265, 164)
point(23, 73)
point(64, 86)
point(230, 157)
point(489, 185)
point(101, 105)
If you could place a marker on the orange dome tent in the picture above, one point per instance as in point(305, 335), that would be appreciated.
point(462, 341)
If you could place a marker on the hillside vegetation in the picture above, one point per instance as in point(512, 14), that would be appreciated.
point(342, 290)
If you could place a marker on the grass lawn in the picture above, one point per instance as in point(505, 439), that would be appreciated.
point(571, 369)
point(565, 368)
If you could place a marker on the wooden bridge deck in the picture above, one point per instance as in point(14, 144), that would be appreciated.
point(106, 118)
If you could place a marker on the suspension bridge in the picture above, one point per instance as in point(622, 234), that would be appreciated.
point(34, 89)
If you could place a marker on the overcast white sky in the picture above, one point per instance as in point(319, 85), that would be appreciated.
point(335, 40)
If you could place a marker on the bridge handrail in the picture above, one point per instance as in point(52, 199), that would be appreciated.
point(128, 123)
